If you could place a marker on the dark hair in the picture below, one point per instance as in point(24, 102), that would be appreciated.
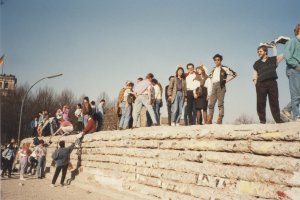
point(93, 102)
point(61, 144)
point(102, 100)
point(189, 65)
point(130, 84)
point(41, 141)
point(264, 48)
point(86, 98)
point(149, 76)
point(140, 79)
point(183, 75)
point(218, 56)
point(79, 105)
point(154, 81)
point(171, 77)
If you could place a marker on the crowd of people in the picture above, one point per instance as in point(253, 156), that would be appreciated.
point(194, 93)
point(31, 161)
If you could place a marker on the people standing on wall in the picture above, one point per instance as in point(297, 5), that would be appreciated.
point(190, 86)
point(34, 125)
point(86, 108)
point(78, 115)
point(126, 106)
point(100, 107)
point(177, 93)
point(220, 75)
point(157, 104)
point(201, 94)
point(143, 92)
point(168, 102)
point(292, 57)
point(264, 78)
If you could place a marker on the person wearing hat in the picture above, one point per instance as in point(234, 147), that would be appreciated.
point(62, 157)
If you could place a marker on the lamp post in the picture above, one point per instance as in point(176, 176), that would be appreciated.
point(23, 100)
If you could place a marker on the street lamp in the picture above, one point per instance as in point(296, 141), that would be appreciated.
point(23, 100)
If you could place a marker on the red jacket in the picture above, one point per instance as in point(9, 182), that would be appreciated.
point(90, 127)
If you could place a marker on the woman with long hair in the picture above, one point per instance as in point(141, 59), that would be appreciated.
point(177, 95)
point(201, 94)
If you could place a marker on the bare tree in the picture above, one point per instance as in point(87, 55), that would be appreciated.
point(244, 119)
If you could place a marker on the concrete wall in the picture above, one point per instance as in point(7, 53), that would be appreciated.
point(196, 162)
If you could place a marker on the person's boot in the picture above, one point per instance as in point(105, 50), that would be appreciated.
point(209, 120)
point(205, 117)
point(219, 121)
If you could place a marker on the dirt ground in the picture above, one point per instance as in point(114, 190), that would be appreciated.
point(33, 188)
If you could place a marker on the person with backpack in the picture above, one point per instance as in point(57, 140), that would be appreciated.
point(201, 94)
point(126, 106)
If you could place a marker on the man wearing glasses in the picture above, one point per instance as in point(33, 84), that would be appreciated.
point(220, 75)
point(264, 78)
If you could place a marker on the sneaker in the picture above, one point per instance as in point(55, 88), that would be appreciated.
point(286, 116)
point(178, 124)
point(52, 185)
point(22, 179)
point(173, 124)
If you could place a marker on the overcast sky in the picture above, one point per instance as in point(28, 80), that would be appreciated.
point(99, 44)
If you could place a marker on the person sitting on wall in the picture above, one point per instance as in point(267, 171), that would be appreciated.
point(90, 127)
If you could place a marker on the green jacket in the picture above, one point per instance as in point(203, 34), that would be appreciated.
point(292, 53)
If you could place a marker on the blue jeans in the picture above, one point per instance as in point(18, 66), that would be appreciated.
point(294, 84)
point(156, 108)
point(139, 102)
point(40, 169)
point(124, 121)
point(177, 107)
point(85, 120)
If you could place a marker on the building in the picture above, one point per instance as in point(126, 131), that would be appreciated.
point(7, 84)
